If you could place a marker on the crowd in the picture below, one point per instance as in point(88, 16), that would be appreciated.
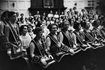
point(45, 39)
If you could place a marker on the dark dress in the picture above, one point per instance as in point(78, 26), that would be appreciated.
point(36, 65)
point(5, 61)
point(67, 41)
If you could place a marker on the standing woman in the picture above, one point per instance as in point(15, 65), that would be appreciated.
point(4, 58)
point(12, 35)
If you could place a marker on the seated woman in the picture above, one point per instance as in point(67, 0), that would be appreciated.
point(80, 36)
point(24, 37)
point(36, 43)
point(89, 36)
point(97, 34)
point(38, 51)
point(69, 38)
point(102, 29)
point(96, 28)
point(54, 43)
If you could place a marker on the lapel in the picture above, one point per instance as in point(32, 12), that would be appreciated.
point(89, 36)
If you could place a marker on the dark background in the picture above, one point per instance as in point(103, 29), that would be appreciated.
point(58, 6)
point(91, 59)
point(38, 5)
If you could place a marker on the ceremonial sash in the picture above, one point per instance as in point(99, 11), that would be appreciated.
point(69, 39)
point(89, 36)
point(79, 38)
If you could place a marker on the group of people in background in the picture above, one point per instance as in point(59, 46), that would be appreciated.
point(49, 35)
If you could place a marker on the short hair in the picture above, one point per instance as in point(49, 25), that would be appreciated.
point(83, 24)
point(11, 13)
point(4, 15)
point(64, 23)
point(37, 30)
point(21, 29)
point(21, 14)
point(76, 26)
point(95, 23)
point(50, 26)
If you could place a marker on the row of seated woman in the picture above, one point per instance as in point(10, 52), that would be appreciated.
point(35, 46)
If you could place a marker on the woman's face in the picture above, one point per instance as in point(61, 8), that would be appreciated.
point(30, 28)
point(25, 30)
point(54, 29)
point(40, 34)
point(80, 27)
point(66, 25)
point(13, 18)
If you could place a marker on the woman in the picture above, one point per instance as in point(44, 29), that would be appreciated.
point(97, 34)
point(4, 58)
point(80, 36)
point(54, 43)
point(25, 37)
point(69, 38)
point(38, 50)
point(12, 34)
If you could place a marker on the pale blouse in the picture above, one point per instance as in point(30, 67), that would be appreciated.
point(25, 40)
